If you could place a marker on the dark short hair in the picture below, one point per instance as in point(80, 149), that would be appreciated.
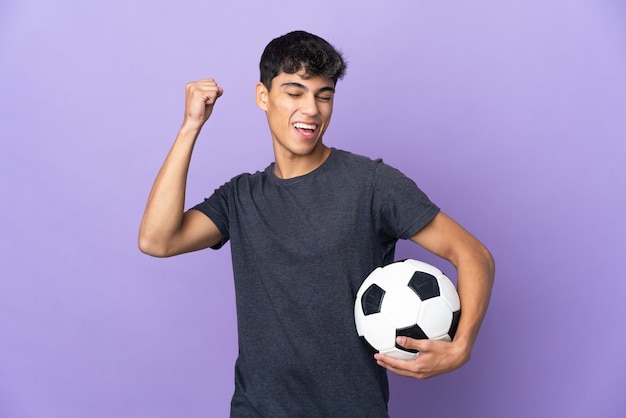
point(299, 50)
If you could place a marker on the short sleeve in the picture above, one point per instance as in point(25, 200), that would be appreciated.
point(401, 208)
point(216, 207)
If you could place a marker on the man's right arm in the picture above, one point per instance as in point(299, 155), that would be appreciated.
point(166, 229)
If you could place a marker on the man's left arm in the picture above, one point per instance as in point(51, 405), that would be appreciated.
point(475, 273)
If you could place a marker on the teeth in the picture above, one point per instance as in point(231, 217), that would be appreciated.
point(304, 126)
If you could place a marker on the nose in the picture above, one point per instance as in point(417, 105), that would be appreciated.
point(309, 105)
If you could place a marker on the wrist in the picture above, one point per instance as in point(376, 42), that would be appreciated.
point(463, 346)
point(189, 130)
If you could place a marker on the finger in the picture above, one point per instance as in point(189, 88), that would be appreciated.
point(207, 94)
point(203, 87)
point(211, 95)
point(205, 82)
point(213, 92)
point(409, 368)
point(412, 344)
point(389, 362)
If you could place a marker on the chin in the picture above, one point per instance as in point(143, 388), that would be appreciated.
point(302, 148)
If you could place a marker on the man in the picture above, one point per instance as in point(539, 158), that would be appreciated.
point(304, 234)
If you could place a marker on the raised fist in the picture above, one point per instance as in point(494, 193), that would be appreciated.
point(199, 101)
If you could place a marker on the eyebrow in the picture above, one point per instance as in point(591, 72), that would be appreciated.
point(303, 87)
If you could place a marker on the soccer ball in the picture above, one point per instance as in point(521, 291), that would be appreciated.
point(406, 298)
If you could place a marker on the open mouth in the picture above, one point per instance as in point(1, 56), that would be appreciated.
point(305, 129)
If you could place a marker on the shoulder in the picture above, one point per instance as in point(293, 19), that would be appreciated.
point(375, 167)
point(354, 163)
point(350, 157)
point(246, 180)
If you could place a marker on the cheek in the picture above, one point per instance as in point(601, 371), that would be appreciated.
point(279, 120)
point(327, 113)
point(280, 111)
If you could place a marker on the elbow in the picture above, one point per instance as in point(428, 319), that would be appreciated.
point(489, 263)
point(479, 259)
point(151, 248)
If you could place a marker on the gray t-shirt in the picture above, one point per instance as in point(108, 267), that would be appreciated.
point(301, 248)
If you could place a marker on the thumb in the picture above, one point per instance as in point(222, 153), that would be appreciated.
point(411, 343)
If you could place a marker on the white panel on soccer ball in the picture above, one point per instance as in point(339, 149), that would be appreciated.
point(445, 338)
point(421, 266)
point(401, 354)
point(359, 318)
point(378, 332)
point(372, 278)
point(401, 307)
point(448, 292)
point(395, 276)
point(435, 317)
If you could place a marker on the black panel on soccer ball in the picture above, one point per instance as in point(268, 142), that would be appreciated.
point(372, 299)
point(414, 332)
point(424, 285)
point(455, 323)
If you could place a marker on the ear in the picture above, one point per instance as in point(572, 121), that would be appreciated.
point(261, 96)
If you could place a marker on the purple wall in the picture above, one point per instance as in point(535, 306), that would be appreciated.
point(510, 115)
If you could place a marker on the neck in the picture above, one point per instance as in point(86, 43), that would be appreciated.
point(291, 166)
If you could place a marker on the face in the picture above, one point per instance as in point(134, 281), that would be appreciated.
point(298, 111)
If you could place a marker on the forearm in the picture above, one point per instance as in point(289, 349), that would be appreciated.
point(475, 273)
point(163, 216)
